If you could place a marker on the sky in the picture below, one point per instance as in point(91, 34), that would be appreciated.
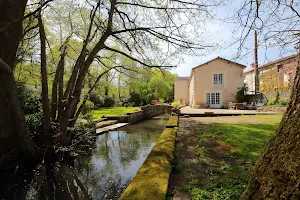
point(224, 34)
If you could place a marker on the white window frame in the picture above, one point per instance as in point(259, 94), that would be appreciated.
point(213, 101)
point(218, 85)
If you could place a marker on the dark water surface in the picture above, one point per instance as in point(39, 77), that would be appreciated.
point(104, 175)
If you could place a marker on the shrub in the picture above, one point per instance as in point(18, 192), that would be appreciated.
point(272, 101)
point(34, 124)
point(240, 95)
point(108, 102)
point(161, 101)
point(88, 107)
point(176, 104)
point(29, 98)
point(283, 101)
point(98, 101)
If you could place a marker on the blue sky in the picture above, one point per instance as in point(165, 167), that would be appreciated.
point(225, 34)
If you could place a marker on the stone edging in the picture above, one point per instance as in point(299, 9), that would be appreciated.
point(151, 180)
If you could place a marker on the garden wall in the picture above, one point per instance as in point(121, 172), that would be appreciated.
point(151, 180)
point(155, 110)
point(272, 108)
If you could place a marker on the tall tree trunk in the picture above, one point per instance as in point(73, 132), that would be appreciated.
point(14, 137)
point(277, 174)
point(44, 76)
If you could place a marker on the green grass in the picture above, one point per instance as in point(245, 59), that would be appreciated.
point(113, 111)
point(230, 178)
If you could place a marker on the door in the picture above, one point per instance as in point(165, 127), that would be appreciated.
point(213, 100)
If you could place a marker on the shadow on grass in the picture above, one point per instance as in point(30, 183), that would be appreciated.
point(250, 139)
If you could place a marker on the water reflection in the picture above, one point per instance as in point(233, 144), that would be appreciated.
point(117, 157)
point(104, 175)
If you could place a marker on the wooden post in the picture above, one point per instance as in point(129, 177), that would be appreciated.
point(256, 64)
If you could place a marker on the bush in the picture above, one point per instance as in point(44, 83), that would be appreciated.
point(161, 101)
point(283, 101)
point(29, 98)
point(240, 95)
point(272, 101)
point(176, 104)
point(34, 124)
point(97, 101)
point(86, 111)
point(108, 102)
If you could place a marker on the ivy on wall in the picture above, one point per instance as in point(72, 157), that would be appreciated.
point(269, 83)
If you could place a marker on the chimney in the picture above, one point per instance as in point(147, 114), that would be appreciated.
point(252, 66)
point(256, 64)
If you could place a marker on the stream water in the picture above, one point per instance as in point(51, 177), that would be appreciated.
point(104, 175)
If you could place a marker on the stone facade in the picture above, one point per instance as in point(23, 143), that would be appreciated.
point(276, 76)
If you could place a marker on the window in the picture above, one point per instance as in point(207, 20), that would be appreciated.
point(218, 80)
point(213, 98)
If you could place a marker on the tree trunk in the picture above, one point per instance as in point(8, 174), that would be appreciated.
point(277, 174)
point(14, 137)
point(44, 77)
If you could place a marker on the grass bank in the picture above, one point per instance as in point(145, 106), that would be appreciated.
point(225, 152)
point(113, 111)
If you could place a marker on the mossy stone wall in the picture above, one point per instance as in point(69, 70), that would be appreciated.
point(151, 180)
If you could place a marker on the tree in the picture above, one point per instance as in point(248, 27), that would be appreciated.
point(127, 29)
point(143, 32)
point(14, 136)
point(276, 175)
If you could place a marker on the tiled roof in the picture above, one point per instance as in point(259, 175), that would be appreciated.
point(271, 63)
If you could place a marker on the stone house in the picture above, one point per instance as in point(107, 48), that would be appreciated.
point(274, 77)
point(213, 83)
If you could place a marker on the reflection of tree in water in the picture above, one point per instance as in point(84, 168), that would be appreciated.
point(100, 176)
point(115, 152)
point(56, 181)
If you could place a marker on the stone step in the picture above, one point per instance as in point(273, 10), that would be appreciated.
point(109, 128)
point(105, 123)
point(99, 120)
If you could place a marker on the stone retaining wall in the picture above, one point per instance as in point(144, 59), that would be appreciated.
point(151, 180)
point(135, 116)
point(155, 110)
point(272, 108)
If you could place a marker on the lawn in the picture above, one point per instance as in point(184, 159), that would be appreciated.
point(113, 111)
point(226, 152)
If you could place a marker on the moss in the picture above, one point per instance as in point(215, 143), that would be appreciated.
point(172, 122)
point(151, 180)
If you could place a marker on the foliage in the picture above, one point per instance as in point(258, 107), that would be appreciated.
point(83, 139)
point(29, 98)
point(272, 101)
point(176, 104)
point(108, 102)
point(34, 124)
point(86, 111)
point(161, 101)
point(96, 100)
point(135, 99)
point(283, 101)
point(240, 95)
point(276, 101)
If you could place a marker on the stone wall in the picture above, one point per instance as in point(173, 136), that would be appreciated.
point(135, 116)
point(151, 180)
point(272, 108)
point(155, 110)
point(146, 112)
